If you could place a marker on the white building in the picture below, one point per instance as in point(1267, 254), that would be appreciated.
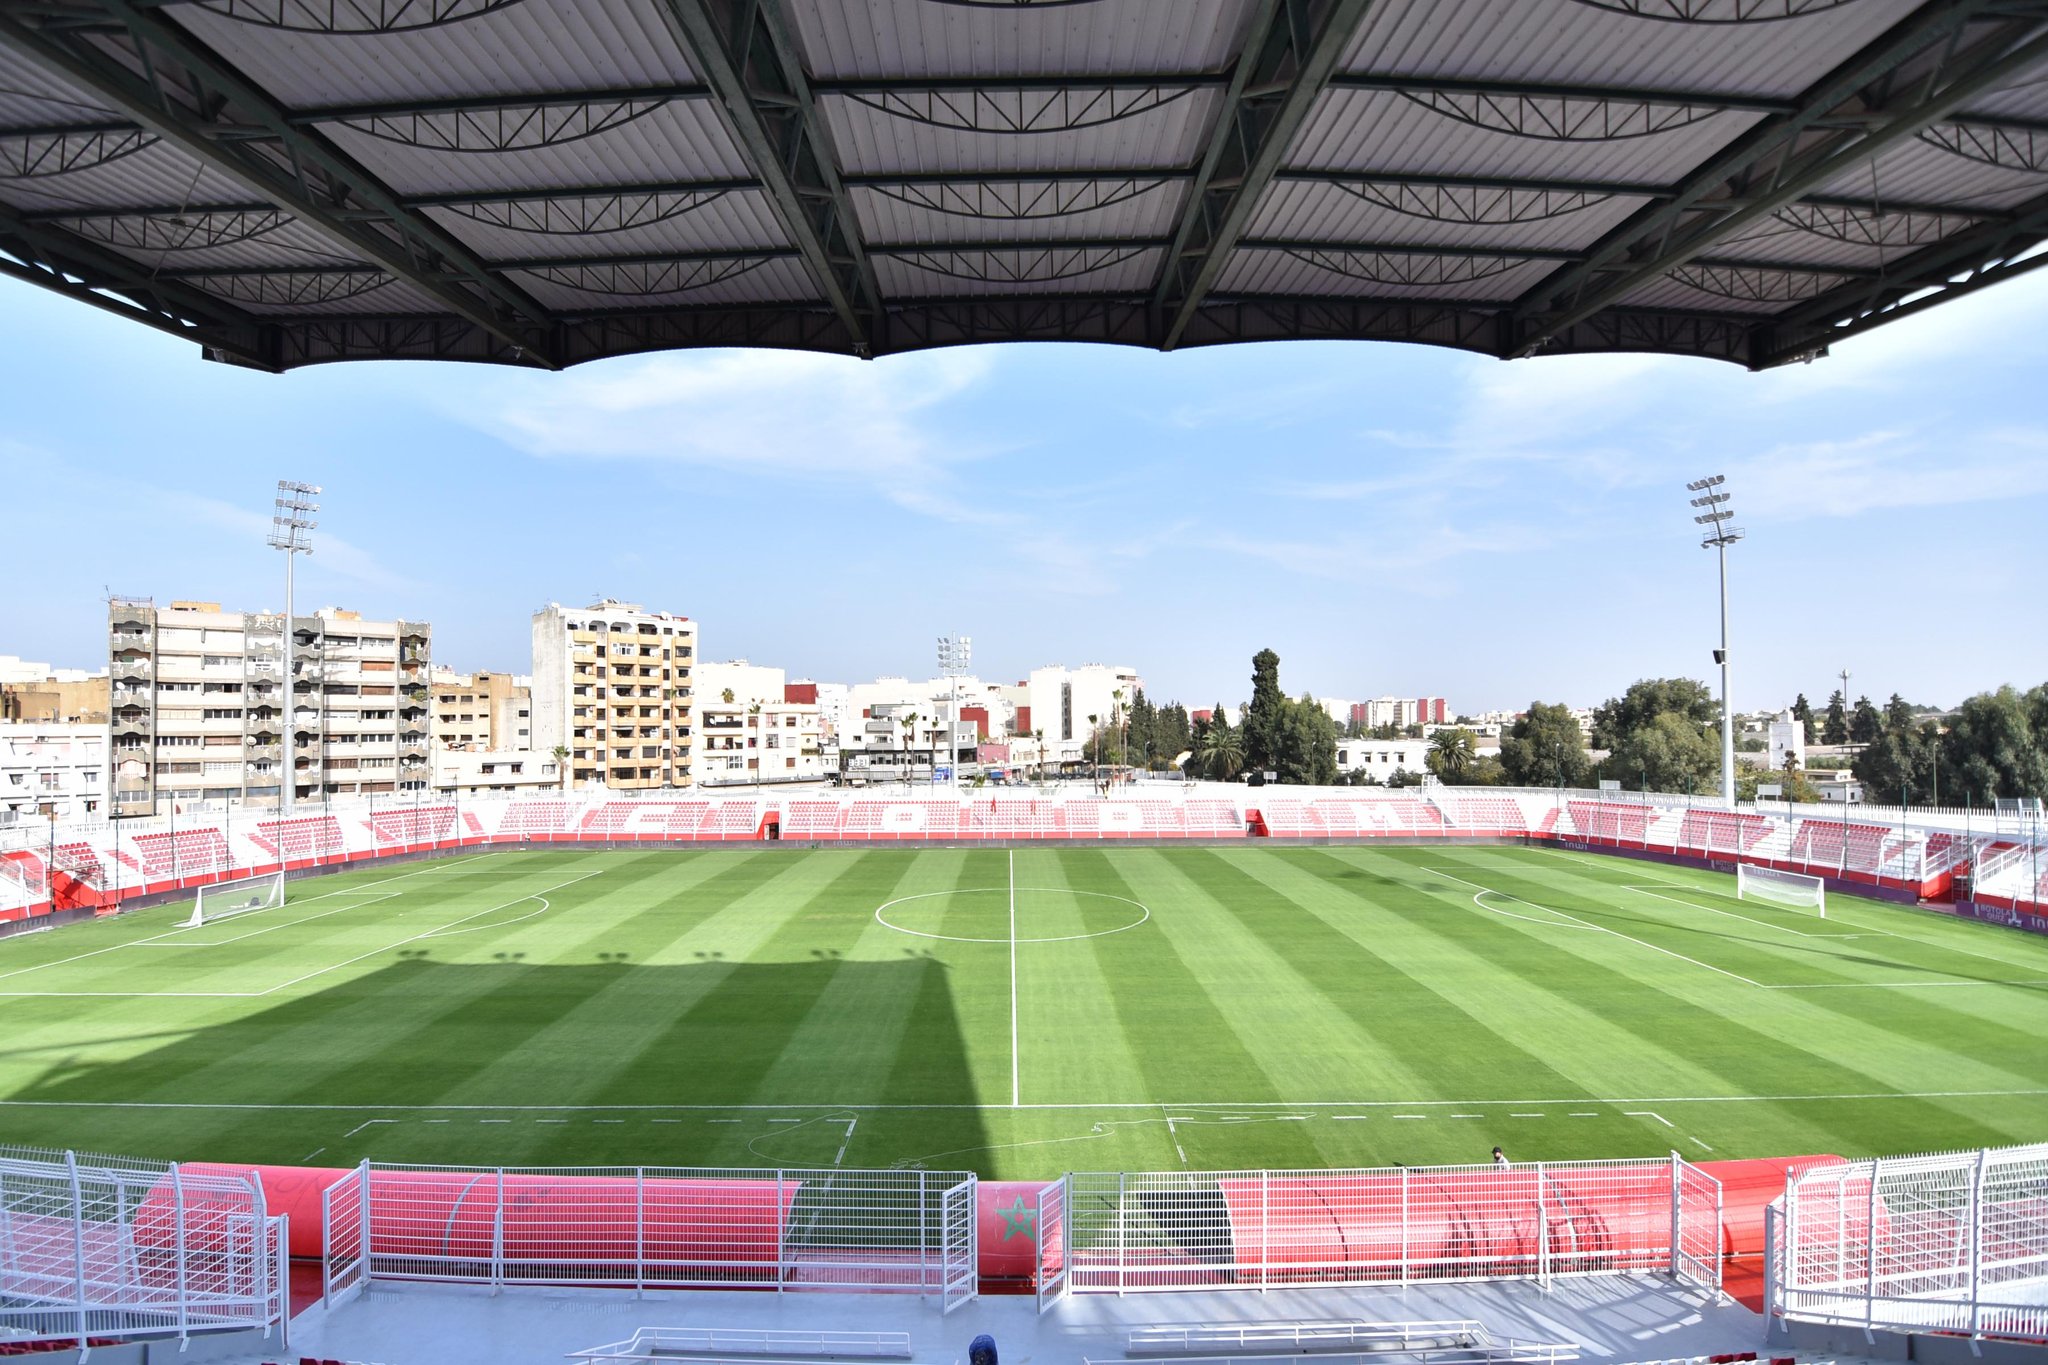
point(747, 730)
point(1787, 740)
point(197, 703)
point(612, 686)
point(53, 768)
point(1382, 758)
point(1062, 700)
point(472, 772)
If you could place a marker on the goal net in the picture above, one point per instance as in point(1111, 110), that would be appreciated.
point(1786, 888)
point(222, 899)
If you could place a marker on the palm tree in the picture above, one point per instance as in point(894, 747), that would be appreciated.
point(909, 739)
point(1450, 755)
point(1039, 737)
point(1096, 729)
point(1116, 721)
point(561, 757)
point(1222, 753)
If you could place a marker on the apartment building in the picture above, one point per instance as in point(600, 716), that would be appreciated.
point(1402, 711)
point(1063, 699)
point(198, 698)
point(612, 688)
point(751, 729)
point(481, 711)
point(38, 692)
point(56, 769)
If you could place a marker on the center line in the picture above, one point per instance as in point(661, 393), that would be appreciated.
point(1015, 1081)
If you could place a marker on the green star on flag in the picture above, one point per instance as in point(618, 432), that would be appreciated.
point(1019, 1217)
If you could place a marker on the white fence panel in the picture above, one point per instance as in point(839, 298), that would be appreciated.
point(1053, 1259)
point(1952, 1243)
point(99, 1247)
point(959, 1248)
point(1131, 1232)
point(345, 1229)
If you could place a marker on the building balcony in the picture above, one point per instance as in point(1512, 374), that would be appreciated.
point(131, 639)
point(130, 669)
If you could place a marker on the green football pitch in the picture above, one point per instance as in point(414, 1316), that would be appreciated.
point(1023, 1013)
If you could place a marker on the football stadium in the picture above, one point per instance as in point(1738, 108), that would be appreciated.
point(773, 1029)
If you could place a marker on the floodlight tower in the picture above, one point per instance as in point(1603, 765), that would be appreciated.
point(955, 653)
point(291, 530)
point(1715, 516)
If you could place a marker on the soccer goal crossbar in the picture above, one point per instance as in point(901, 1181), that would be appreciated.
point(1786, 888)
point(238, 897)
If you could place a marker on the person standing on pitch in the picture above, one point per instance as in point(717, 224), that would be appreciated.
point(1500, 1158)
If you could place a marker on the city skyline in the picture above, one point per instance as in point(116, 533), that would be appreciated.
point(1391, 520)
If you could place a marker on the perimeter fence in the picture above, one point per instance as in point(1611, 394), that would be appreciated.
point(98, 1247)
point(1954, 1242)
point(1130, 1232)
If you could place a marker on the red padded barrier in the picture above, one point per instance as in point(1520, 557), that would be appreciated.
point(450, 1213)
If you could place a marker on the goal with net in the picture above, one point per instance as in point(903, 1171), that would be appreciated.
point(1786, 888)
point(222, 899)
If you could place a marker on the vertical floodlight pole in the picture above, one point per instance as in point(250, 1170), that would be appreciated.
point(1715, 516)
point(955, 653)
point(291, 530)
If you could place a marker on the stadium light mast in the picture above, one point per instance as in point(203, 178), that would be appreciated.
point(1715, 515)
point(291, 530)
point(955, 653)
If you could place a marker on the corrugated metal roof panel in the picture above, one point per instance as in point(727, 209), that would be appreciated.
point(290, 244)
point(1078, 272)
point(869, 140)
point(891, 37)
point(1675, 293)
point(1586, 44)
point(392, 296)
point(737, 219)
point(1279, 272)
point(1921, 171)
point(1149, 208)
point(773, 281)
point(1298, 210)
point(536, 45)
point(1374, 130)
point(157, 174)
point(683, 139)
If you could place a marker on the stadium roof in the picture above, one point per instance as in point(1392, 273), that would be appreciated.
point(544, 182)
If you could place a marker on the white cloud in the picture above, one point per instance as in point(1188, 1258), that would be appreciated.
point(1886, 469)
point(770, 412)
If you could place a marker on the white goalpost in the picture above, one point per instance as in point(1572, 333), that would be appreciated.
point(1786, 888)
point(221, 899)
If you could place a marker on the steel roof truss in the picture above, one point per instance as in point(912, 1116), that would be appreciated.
point(314, 181)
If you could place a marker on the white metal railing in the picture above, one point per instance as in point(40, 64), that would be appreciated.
point(1137, 1231)
point(662, 1227)
point(1956, 1242)
point(747, 1343)
point(96, 1246)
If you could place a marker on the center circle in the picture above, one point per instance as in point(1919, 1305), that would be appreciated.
point(998, 900)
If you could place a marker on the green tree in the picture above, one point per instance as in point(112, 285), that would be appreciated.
point(1619, 717)
point(1790, 779)
point(1308, 744)
point(1450, 755)
point(1265, 715)
point(1672, 753)
point(1898, 715)
point(1994, 746)
point(1544, 747)
point(1220, 752)
point(1835, 729)
point(1899, 765)
point(1802, 711)
point(1865, 722)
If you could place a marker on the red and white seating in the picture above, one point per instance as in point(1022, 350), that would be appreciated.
point(1611, 821)
point(1720, 831)
point(316, 836)
point(414, 825)
point(184, 853)
point(525, 819)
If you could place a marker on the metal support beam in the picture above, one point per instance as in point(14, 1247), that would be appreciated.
point(1783, 159)
point(1290, 51)
point(107, 280)
point(1958, 265)
point(311, 179)
point(746, 54)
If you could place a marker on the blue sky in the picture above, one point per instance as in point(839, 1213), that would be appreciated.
point(1389, 519)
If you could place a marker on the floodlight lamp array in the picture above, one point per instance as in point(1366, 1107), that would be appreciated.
point(291, 523)
point(1716, 513)
point(955, 653)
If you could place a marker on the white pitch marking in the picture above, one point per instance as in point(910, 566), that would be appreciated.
point(435, 1120)
point(1579, 923)
point(845, 1141)
point(1577, 1114)
point(1016, 1075)
point(551, 1120)
point(1408, 1116)
point(607, 1120)
point(779, 1120)
point(664, 1120)
point(1468, 1116)
point(2024, 1093)
point(494, 1120)
point(1174, 1133)
point(366, 1123)
point(1647, 1114)
point(724, 1120)
point(310, 1155)
point(1351, 1118)
point(1525, 1116)
point(164, 941)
